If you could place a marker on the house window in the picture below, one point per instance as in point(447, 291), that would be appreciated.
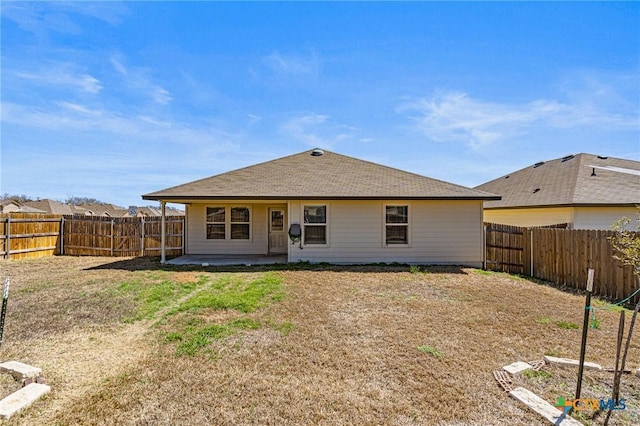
point(396, 225)
point(315, 225)
point(240, 223)
point(216, 223)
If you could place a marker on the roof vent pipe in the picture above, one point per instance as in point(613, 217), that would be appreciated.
point(317, 152)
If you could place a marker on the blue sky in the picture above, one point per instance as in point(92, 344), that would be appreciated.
point(113, 100)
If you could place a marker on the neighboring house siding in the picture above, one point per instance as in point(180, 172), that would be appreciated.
point(442, 232)
point(530, 217)
point(601, 217)
point(577, 217)
point(198, 243)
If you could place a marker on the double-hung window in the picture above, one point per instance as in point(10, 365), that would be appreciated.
point(228, 223)
point(315, 224)
point(216, 223)
point(396, 227)
point(240, 223)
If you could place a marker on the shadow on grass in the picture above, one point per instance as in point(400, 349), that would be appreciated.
point(153, 264)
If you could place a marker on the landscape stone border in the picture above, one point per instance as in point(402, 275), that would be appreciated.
point(34, 387)
point(530, 399)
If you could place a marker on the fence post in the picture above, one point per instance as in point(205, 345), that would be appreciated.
point(112, 223)
point(183, 246)
point(484, 247)
point(62, 236)
point(7, 252)
point(531, 254)
point(142, 236)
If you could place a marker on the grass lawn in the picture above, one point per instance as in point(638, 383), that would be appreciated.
point(125, 341)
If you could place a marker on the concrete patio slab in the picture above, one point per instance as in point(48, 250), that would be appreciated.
point(228, 260)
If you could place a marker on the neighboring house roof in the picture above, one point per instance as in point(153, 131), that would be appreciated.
point(27, 209)
point(52, 206)
point(574, 180)
point(324, 176)
point(147, 211)
point(96, 209)
point(7, 206)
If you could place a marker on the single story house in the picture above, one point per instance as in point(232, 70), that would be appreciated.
point(319, 206)
point(585, 191)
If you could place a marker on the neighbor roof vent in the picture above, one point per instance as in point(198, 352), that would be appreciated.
point(538, 164)
point(317, 152)
point(567, 158)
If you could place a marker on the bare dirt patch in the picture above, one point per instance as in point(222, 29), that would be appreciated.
point(346, 345)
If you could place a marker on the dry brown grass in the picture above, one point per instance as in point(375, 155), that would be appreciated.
point(340, 348)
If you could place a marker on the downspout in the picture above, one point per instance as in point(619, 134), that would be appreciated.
point(163, 234)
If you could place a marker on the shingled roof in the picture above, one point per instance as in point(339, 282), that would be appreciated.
point(574, 180)
point(318, 174)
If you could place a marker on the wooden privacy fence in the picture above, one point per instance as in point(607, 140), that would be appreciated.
point(562, 256)
point(25, 235)
point(127, 236)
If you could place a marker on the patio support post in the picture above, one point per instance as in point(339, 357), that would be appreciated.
point(163, 233)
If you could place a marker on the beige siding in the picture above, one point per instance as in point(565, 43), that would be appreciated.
point(197, 242)
point(441, 232)
point(601, 217)
point(530, 217)
point(577, 217)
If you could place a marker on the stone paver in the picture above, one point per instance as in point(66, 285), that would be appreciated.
point(22, 398)
point(566, 362)
point(517, 367)
point(542, 407)
point(19, 370)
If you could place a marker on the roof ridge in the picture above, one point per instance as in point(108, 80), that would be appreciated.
point(328, 175)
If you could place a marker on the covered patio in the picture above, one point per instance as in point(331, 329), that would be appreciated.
point(227, 260)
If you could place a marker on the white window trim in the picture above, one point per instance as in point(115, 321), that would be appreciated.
point(228, 223)
point(384, 224)
point(326, 224)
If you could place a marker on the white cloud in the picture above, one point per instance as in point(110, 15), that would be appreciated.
point(62, 75)
point(138, 79)
point(293, 64)
point(455, 116)
point(73, 117)
point(315, 130)
point(42, 17)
